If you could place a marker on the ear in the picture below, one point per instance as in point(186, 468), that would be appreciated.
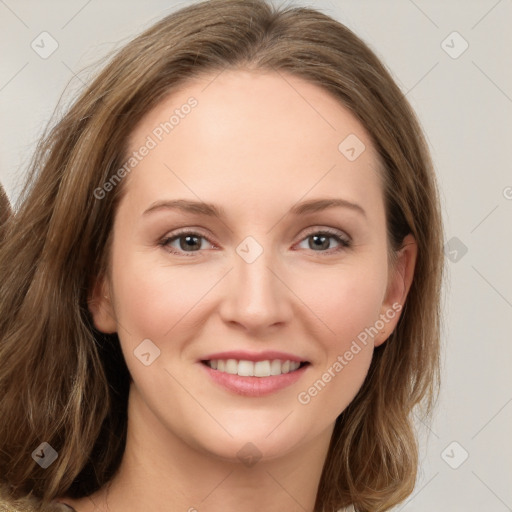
point(399, 283)
point(100, 306)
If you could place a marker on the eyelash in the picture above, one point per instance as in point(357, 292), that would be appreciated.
point(344, 243)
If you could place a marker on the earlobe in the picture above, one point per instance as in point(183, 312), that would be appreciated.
point(100, 307)
point(399, 285)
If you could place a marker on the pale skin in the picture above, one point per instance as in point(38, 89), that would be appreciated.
point(255, 145)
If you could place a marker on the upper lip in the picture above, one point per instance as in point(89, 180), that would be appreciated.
point(253, 356)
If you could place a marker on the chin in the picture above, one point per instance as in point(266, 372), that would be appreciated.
point(255, 439)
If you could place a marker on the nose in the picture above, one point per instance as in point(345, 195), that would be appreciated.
point(257, 298)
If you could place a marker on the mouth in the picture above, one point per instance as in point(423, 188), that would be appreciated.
point(254, 374)
point(246, 368)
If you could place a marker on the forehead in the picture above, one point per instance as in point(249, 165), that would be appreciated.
point(253, 133)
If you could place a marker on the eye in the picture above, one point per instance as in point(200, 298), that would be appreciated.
point(319, 241)
point(187, 242)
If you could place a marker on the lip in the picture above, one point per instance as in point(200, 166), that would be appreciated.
point(253, 386)
point(253, 356)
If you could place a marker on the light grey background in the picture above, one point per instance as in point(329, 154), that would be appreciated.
point(465, 106)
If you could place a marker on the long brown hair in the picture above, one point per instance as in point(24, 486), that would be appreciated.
point(5, 212)
point(64, 383)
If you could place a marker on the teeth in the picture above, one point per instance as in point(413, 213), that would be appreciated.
point(231, 366)
point(253, 369)
point(275, 367)
point(245, 368)
point(261, 369)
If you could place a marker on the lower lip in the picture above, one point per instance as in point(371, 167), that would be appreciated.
point(254, 386)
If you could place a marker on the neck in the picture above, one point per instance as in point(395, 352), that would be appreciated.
point(160, 471)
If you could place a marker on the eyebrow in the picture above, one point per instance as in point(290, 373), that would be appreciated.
point(211, 210)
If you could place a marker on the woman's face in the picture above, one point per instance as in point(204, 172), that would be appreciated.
point(228, 260)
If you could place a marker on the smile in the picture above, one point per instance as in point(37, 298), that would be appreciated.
point(246, 368)
point(254, 374)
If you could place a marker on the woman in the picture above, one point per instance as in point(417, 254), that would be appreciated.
point(221, 288)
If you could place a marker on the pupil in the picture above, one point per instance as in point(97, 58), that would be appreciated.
point(190, 242)
point(323, 244)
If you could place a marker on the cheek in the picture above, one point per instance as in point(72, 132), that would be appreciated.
point(154, 299)
point(348, 308)
point(346, 300)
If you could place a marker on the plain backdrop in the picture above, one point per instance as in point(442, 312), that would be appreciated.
point(453, 61)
